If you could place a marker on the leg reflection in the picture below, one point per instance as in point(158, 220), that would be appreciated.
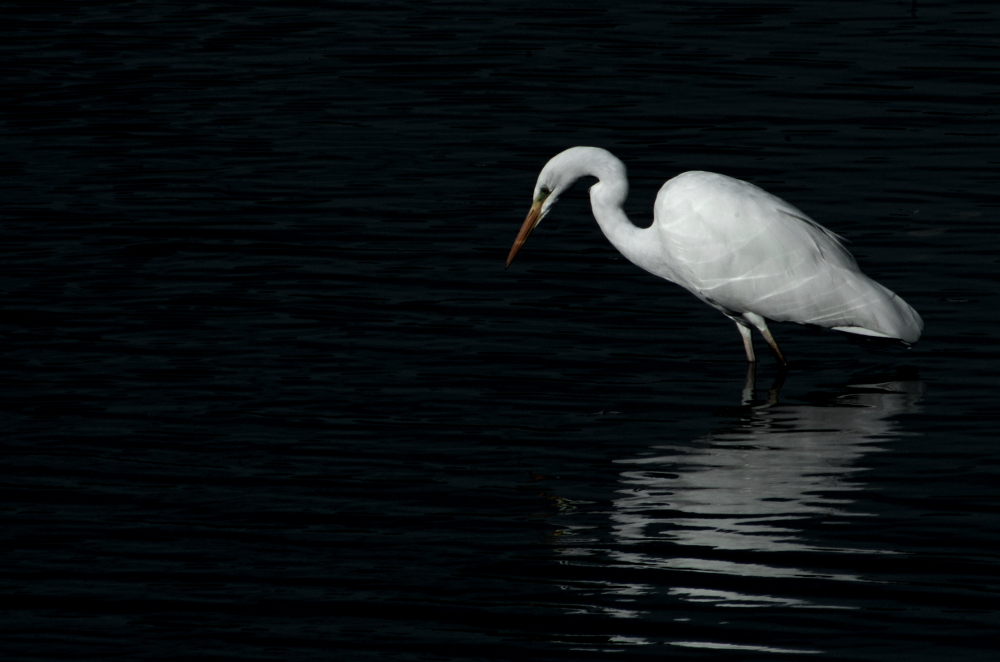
point(750, 388)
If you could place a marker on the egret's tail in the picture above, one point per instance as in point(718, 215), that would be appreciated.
point(881, 313)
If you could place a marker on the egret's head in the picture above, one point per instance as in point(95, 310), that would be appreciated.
point(556, 178)
point(561, 172)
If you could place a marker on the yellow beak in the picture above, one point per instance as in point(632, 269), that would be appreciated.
point(529, 224)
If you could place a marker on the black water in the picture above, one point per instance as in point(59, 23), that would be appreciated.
point(270, 394)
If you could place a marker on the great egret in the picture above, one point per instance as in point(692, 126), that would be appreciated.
point(741, 250)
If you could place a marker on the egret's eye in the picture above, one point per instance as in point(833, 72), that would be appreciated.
point(546, 190)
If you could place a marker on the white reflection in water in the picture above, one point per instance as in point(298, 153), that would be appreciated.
point(734, 496)
point(732, 599)
point(750, 488)
point(734, 647)
point(722, 567)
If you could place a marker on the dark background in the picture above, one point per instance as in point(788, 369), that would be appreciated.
point(270, 394)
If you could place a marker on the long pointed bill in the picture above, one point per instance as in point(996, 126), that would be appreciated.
point(522, 236)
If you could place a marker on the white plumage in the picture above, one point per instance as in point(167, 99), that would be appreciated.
point(735, 246)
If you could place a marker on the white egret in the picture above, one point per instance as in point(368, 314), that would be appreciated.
point(741, 250)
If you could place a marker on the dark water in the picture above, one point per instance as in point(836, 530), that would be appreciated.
point(270, 394)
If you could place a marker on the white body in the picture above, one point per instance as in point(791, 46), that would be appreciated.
point(737, 247)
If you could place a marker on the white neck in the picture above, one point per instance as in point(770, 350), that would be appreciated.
point(606, 199)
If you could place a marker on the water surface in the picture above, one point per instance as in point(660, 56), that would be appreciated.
point(270, 394)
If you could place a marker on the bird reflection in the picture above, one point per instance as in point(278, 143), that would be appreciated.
point(750, 487)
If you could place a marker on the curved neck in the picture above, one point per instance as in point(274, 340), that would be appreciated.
point(606, 199)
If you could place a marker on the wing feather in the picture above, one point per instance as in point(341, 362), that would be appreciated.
point(741, 248)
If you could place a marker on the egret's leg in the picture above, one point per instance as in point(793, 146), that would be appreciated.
point(761, 325)
point(747, 342)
